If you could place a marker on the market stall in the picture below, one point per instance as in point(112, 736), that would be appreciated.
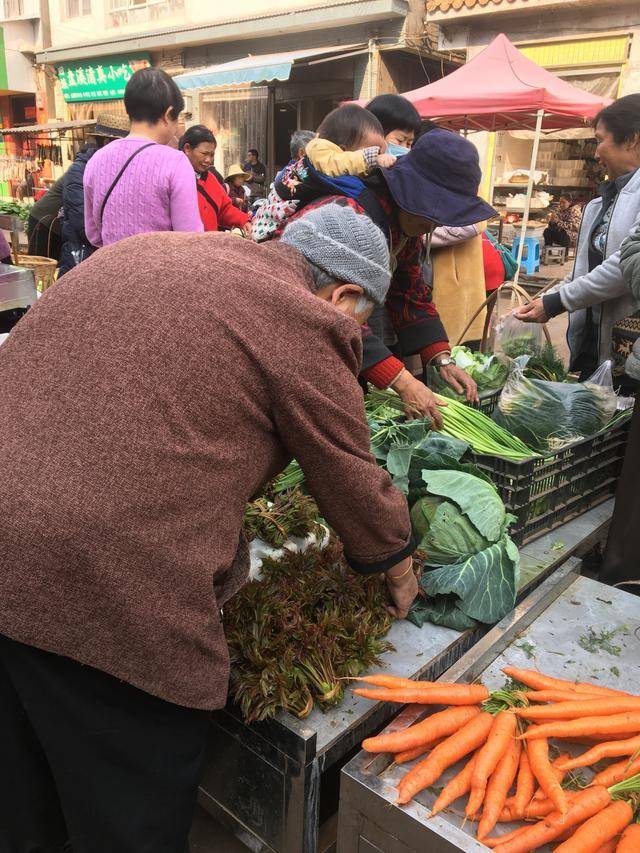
point(551, 631)
point(501, 89)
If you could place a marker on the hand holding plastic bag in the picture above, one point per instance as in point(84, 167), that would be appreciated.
point(515, 338)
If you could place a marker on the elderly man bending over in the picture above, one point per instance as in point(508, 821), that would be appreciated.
point(145, 399)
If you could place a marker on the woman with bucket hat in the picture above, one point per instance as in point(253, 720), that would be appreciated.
point(436, 183)
point(235, 180)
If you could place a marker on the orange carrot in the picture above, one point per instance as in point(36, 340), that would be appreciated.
point(556, 695)
point(615, 724)
point(580, 708)
point(630, 840)
point(448, 694)
point(535, 679)
point(466, 740)
point(411, 754)
point(440, 724)
point(534, 810)
point(525, 785)
point(559, 774)
point(599, 829)
point(393, 681)
point(456, 788)
point(503, 731)
point(498, 787)
point(538, 751)
point(584, 805)
point(617, 773)
point(474, 803)
point(609, 846)
point(493, 842)
point(609, 749)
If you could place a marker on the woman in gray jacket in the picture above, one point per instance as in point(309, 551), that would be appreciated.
point(595, 294)
point(623, 546)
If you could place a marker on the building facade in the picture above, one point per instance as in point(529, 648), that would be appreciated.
point(252, 73)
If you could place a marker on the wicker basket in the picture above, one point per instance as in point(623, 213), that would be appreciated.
point(44, 269)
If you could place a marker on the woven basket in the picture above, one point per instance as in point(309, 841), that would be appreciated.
point(44, 269)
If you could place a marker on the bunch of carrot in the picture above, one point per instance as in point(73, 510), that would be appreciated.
point(503, 738)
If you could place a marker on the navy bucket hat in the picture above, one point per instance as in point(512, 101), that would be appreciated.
point(439, 179)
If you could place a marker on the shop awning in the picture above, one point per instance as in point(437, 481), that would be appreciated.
point(50, 127)
point(259, 69)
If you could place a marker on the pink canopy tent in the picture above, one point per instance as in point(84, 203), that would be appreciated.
point(501, 89)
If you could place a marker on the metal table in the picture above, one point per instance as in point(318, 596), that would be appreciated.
point(547, 625)
point(273, 784)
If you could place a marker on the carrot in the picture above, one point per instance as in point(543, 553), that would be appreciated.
point(440, 724)
point(617, 773)
point(471, 736)
point(600, 828)
point(609, 846)
point(474, 802)
point(584, 805)
point(558, 773)
point(525, 785)
point(493, 842)
point(457, 787)
point(616, 723)
point(498, 787)
point(609, 749)
point(393, 681)
point(535, 679)
point(503, 731)
point(630, 840)
point(535, 809)
point(448, 694)
point(541, 768)
point(411, 754)
point(580, 708)
point(556, 695)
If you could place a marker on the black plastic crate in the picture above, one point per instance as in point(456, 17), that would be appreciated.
point(544, 493)
point(488, 404)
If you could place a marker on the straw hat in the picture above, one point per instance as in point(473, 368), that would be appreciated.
point(111, 125)
point(235, 170)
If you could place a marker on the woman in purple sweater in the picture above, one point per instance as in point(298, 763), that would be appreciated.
point(139, 184)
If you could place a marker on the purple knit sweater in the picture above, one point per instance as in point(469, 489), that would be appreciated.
point(157, 192)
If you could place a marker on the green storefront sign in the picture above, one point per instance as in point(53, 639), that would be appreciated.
point(102, 79)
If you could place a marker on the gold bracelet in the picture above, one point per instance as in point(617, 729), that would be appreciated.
point(406, 572)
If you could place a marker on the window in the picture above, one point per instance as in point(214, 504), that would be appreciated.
point(76, 8)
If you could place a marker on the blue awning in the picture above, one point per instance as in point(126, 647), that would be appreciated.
point(257, 69)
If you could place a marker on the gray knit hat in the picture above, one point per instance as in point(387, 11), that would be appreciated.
point(345, 244)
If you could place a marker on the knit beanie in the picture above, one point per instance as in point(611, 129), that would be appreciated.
point(345, 244)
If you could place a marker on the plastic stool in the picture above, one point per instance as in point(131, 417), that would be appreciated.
point(530, 255)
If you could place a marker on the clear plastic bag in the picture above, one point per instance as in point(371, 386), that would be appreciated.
point(550, 415)
point(515, 338)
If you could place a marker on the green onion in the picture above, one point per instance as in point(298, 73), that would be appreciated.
point(480, 432)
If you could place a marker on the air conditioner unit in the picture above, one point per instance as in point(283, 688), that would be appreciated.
point(188, 104)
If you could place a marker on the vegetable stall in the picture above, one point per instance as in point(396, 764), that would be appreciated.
point(305, 626)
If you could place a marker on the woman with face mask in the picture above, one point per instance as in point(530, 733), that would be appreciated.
point(140, 184)
point(400, 122)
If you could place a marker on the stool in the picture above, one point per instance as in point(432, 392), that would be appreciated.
point(555, 254)
point(530, 255)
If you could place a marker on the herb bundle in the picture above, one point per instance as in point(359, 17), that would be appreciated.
point(308, 623)
point(291, 513)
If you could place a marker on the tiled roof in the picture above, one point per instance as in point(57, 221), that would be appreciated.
point(456, 5)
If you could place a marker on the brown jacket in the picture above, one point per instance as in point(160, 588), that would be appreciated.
point(145, 399)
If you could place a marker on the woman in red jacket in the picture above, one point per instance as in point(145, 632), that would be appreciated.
point(217, 211)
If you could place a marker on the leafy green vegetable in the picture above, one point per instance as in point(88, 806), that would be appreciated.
point(442, 610)
point(549, 415)
point(488, 371)
point(595, 642)
point(485, 584)
point(443, 532)
point(478, 499)
point(527, 648)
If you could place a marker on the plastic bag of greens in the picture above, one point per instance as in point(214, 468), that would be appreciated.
point(515, 338)
point(550, 415)
point(488, 371)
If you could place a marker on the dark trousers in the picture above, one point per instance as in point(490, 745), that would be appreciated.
point(91, 760)
point(554, 236)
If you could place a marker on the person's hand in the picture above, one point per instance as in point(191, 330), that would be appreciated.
point(403, 586)
point(247, 228)
point(386, 161)
point(416, 395)
point(460, 381)
point(532, 312)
